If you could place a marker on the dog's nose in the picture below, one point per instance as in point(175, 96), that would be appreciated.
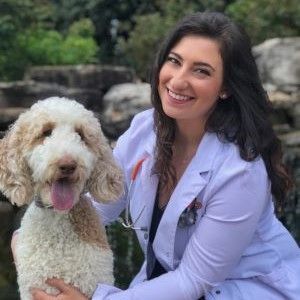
point(67, 166)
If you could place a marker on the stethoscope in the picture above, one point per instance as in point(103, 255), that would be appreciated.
point(187, 218)
point(127, 223)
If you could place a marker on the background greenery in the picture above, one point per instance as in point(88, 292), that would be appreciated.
point(35, 32)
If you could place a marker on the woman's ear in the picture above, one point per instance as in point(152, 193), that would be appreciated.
point(106, 182)
point(15, 179)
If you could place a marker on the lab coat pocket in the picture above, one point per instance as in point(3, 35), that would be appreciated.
point(228, 290)
point(185, 230)
point(181, 240)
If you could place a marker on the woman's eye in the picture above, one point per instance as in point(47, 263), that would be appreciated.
point(202, 72)
point(173, 60)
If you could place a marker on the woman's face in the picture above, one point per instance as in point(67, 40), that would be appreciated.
point(191, 79)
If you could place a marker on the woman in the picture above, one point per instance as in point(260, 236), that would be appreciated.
point(202, 201)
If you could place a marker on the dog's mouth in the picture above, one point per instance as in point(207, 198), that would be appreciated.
point(62, 194)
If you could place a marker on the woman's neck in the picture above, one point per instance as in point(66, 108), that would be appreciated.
point(188, 134)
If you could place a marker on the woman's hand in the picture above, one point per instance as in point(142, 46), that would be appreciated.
point(67, 292)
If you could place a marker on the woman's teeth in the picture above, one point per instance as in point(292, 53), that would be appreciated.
point(179, 97)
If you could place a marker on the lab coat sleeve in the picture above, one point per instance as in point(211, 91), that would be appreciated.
point(237, 197)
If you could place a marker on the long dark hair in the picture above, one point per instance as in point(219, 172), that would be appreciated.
point(243, 118)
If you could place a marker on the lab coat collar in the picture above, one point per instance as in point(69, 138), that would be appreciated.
point(150, 143)
point(203, 158)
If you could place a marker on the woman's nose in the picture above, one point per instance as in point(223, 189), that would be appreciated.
point(179, 80)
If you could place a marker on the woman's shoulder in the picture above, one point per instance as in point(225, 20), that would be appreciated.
point(229, 158)
point(217, 155)
point(140, 127)
point(138, 138)
point(232, 175)
point(142, 122)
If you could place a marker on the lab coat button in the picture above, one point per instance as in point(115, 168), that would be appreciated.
point(146, 235)
point(218, 292)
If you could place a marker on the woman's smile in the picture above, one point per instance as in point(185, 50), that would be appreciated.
point(178, 98)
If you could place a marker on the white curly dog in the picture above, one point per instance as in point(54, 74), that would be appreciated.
point(51, 156)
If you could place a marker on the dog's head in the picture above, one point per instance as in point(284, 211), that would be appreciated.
point(56, 150)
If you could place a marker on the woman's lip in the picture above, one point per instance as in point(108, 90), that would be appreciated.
point(178, 96)
point(175, 101)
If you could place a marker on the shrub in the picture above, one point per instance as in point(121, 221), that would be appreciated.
point(40, 46)
point(264, 19)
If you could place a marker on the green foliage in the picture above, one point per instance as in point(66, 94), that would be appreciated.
point(14, 15)
point(49, 47)
point(42, 47)
point(78, 50)
point(105, 14)
point(32, 42)
point(84, 28)
point(264, 19)
point(149, 29)
point(128, 254)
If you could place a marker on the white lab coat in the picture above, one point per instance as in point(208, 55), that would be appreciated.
point(236, 250)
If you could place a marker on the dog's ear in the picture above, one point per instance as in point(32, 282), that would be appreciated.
point(106, 181)
point(15, 181)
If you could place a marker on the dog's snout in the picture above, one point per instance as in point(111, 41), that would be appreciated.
point(67, 166)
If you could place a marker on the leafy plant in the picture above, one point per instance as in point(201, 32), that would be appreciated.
point(49, 47)
point(264, 19)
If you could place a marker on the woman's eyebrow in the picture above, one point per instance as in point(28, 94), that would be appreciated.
point(198, 63)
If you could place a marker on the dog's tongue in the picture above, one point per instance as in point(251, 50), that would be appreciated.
point(62, 195)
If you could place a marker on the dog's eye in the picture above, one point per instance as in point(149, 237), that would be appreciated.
point(80, 133)
point(47, 132)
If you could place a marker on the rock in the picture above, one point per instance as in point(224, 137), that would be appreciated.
point(278, 62)
point(8, 116)
point(25, 93)
point(291, 139)
point(283, 100)
point(121, 103)
point(294, 113)
point(95, 77)
point(281, 129)
point(286, 109)
point(84, 83)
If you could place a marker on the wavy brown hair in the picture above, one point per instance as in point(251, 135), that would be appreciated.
point(242, 119)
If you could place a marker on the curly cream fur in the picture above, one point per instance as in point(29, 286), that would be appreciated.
point(15, 180)
point(71, 244)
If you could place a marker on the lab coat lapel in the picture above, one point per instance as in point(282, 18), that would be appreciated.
point(149, 188)
point(188, 188)
point(148, 182)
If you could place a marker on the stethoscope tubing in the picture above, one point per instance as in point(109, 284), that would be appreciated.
point(127, 223)
point(187, 218)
